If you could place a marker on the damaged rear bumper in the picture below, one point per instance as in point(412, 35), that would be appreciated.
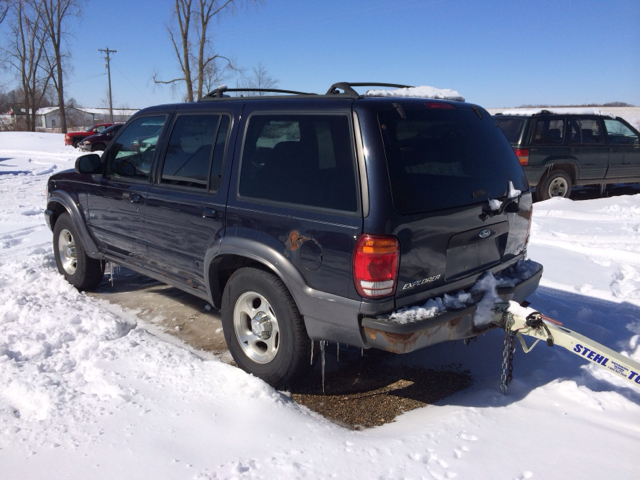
point(391, 336)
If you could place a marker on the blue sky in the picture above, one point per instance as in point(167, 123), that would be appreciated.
point(495, 53)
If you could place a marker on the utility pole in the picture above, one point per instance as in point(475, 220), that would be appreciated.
point(108, 59)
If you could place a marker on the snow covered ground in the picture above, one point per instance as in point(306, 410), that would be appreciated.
point(86, 391)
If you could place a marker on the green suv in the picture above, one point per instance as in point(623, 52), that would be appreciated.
point(558, 150)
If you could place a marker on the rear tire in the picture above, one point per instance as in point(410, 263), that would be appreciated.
point(557, 183)
point(80, 270)
point(263, 327)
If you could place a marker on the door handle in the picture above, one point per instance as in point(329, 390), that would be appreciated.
point(135, 198)
point(209, 213)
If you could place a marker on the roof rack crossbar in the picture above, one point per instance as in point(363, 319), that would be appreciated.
point(221, 90)
point(347, 87)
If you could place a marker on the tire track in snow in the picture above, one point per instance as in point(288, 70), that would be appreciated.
point(612, 254)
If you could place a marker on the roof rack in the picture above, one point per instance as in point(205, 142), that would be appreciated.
point(347, 87)
point(340, 88)
point(222, 89)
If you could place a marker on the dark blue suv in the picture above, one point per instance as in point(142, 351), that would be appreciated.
point(305, 217)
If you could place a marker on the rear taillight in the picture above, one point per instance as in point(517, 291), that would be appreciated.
point(523, 155)
point(375, 265)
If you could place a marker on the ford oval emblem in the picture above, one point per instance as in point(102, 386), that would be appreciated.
point(484, 233)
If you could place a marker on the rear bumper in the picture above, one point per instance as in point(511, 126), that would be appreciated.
point(391, 336)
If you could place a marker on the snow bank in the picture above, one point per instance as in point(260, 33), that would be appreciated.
point(422, 92)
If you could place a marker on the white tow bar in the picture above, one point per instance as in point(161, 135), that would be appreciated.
point(518, 321)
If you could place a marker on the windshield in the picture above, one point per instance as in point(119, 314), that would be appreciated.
point(443, 158)
point(111, 129)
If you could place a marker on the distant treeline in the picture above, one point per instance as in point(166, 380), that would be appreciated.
point(610, 104)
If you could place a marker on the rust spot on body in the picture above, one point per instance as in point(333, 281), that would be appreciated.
point(295, 240)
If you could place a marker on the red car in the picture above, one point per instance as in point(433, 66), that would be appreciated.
point(73, 138)
point(100, 140)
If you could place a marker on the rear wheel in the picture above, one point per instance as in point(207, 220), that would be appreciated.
point(80, 270)
point(557, 183)
point(263, 328)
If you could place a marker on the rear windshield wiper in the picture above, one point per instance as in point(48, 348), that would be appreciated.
point(510, 203)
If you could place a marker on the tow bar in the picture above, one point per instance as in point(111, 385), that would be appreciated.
point(517, 321)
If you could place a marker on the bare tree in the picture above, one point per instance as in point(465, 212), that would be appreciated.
point(54, 14)
point(260, 78)
point(192, 44)
point(4, 9)
point(25, 53)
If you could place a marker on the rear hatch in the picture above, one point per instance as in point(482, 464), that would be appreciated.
point(446, 163)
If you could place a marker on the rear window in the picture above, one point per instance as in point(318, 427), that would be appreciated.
point(511, 127)
point(446, 158)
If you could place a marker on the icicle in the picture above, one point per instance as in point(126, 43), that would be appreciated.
point(322, 344)
point(312, 342)
point(337, 351)
point(111, 272)
point(362, 352)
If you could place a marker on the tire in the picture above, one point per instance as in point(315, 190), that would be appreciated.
point(76, 141)
point(80, 270)
point(557, 183)
point(97, 146)
point(263, 327)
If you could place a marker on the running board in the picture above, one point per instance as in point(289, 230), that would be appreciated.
point(518, 321)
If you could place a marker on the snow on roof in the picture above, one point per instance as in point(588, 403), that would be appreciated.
point(105, 111)
point(422, 92)
point(559, 110)
point(46, 110)
point(92, 111)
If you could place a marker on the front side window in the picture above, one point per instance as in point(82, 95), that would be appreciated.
point(586, 131)
point(132, 154)
point(548, 131)
point(619, 134)
point(300, 159)
point(189, 153)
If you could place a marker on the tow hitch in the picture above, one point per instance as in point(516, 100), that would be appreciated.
point(518, 321)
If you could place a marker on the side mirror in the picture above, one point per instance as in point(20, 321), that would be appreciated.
point(89, 163)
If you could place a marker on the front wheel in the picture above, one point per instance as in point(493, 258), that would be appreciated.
point(97, 146)
point(263, 328)
point(557, 183)
point(80, 270)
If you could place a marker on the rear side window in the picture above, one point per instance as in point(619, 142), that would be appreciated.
point(511, 127)
point(586, 131)
point(446, 158)
point(548, 131)
point(619, 134)
point(190, 154)
point(300, 159)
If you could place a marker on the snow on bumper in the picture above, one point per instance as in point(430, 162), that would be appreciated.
point(454, 317)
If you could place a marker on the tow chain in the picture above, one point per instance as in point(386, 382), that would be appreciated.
point(524, 321)
point(507, 360)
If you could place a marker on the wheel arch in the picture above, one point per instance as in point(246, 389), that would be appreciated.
point(236, 253)
point(61, 202)
point(566, 165)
